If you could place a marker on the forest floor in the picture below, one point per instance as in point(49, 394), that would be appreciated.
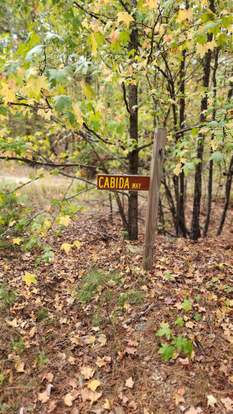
point(82, 338)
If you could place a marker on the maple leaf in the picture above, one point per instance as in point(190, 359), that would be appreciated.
point(64, 220)
point(66, 247)
point(87, 372)
point(211, 401)
point(93, 384)
point(228, 402)
point(77, 244)
point(203, 49)
point(68, 399)
point(29, 278)
point(185, 14)
point(151, 4)
point(125, 18)
point(88, 395)
point(129, 382)
point(17, 241)
point(164, 330)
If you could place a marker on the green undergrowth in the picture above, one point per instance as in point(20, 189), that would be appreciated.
point(7, 296)
point(94, 282)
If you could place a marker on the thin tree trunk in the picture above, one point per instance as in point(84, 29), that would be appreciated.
point(211, 163)
point(133, 156)
point(227, 196)
point(195, 228)
point(181, 211)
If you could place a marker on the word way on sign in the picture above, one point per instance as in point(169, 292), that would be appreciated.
point(123, 182)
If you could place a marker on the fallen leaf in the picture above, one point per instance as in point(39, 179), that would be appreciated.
point(179, 396)
point(101, 362)
point(211, 401)
point(68, 399)
point(48, 376)
point(87, 372)
point(228, 403)
point(88, 395)
point(102, 339)
point(129, 382)
point(29, 278)
point(107, 405)
point(93, 384)
point(17, 241)
point(44, 396)
point(194, 410)
point(64, 220)
point(66, 247)
point(19, 366)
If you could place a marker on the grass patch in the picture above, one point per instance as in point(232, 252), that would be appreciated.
point(7, 296)
point(132, 297)
point(94, 282)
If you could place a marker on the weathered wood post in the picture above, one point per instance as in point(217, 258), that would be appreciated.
point(153, 198)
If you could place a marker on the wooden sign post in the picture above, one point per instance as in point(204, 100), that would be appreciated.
point(142, 183)
point(153, 199)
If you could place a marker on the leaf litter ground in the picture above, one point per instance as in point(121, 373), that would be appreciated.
point(83, 338)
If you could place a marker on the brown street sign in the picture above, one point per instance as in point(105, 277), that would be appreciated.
point(123, 182)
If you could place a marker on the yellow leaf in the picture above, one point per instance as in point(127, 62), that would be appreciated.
point(94, 44)
point(19, 366)
point(107, 405)
point(8, 90)
point(177, 170)
point(203, 49)
point(66, 247)
point(17, 241)
point(87, 372)
point(29, 278)
point(151, 4)
point(93, 384)
point(64, 220)
point(87, 90)
point(78, 114)
point(185, 14)
point(34, 86)
point(125, 18)
point(77, 244)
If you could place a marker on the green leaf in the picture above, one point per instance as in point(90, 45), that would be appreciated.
point(179, 322)
point(63, 103)
point(58, 76)
point(35, 52)
point(186, 305)
point(164, 330)
point(167, 351)
point(217, 156)
point(184, 345)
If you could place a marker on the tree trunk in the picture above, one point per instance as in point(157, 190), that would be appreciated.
point(227, 196)
point(181, 210)
point(133, 133)
point(195, 229)
point(211, 163)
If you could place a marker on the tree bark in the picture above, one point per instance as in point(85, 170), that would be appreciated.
point(133, 156)
point(211, 163)
point(195, 228)
point(181, 206)
point(227, 196)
